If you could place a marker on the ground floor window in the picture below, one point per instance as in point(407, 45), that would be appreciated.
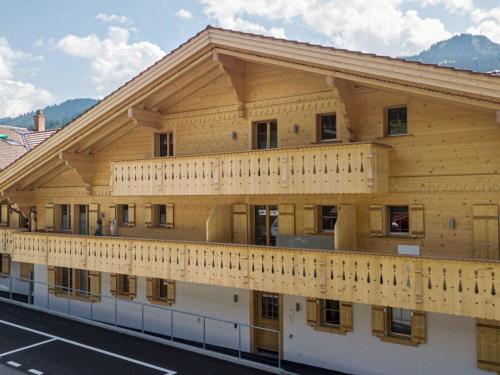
point(398, 325)
point(123, 285)
point(329, 315)
point(400, 322)
point(160, 291)
point(5, 264)
point(330, 312)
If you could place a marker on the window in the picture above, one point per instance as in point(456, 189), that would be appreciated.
point(65, 217)
point(400, 322)
point(330, 312)
point(160, 291)
point(123, 285)
point(266, 225)
point(328, 218)
point(327, 127)
point(161, 215)
point(66, 279)
point(123, 214)
point(72, 280)
point(164, 144)
point(399, 222)
point(4, 215)
point(397, 121)
point(270, 306)
point(329, 315)
point(400, 326)
point(265, 135)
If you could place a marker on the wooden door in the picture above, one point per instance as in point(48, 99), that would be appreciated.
point(83, 220)
point(268, 315)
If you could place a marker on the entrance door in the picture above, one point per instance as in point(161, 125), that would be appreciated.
point(267, 315)
point(266, 225)
point(83, 220)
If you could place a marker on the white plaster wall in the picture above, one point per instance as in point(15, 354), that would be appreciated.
point(216, 302)
point(18, 286)
point(450, 347)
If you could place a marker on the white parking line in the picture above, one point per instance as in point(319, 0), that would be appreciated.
point(14, 364)
point(71, 342)
point(27, 347)
point(36, 372)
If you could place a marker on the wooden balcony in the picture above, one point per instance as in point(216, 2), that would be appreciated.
point(458, 287)
point(322, 169)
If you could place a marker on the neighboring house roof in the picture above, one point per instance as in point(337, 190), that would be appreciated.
point(18, 142)
point(454, 85)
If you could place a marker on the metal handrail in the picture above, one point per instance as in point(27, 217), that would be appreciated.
point(70, 290)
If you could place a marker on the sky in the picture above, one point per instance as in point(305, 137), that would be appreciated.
point(53, 50)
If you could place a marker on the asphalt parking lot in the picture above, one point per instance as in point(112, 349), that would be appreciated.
point(36, 343)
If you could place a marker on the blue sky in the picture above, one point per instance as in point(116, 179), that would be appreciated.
point(53, 50)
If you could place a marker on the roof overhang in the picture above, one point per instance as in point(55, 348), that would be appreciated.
point(464, 87)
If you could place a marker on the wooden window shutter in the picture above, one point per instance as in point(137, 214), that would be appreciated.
point(379, 321)
point(312, 313)
point(49, 217)
point(240, 223)
point(26, 270)
point(150, 288)
point(170, 292)
point(113, 284)
point(377, 228)
point(417, 229)
point(310, 218)
point(93, 217)
point(148, 215)
point(418, 327)
point(6, 263)
point(95, 285)
point(131, 214)
point(4, 215)
point(485, 231)
point(346, 316)
point(51, 279)
point(170, 215)
point(286, 223)
point(132, 282)
point(488, 345)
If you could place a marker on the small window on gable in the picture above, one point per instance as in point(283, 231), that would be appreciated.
point(328, 218)
point(123, 217)
point(164, 144)
point(399, 221)
point(397, 121)
point(327, 127)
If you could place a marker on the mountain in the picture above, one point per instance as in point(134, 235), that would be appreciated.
point(464, 51)
point(56, 116)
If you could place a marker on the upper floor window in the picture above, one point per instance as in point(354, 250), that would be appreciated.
point(265, 134)
point(327, 127)
point(123, 217)
point(328, 218)
point(164, 144)
point(397, 120)
point(4, 215)
point(399, 222)
point(65, 217)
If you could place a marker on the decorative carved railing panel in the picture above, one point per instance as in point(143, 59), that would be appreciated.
point(326, 169)
point(458, 287)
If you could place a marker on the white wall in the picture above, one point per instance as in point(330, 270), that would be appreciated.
point(200, 299)
point(18, 286)
point(450, 347)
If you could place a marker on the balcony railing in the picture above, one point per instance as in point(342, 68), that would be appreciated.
point(458, 287)
point(325, 169)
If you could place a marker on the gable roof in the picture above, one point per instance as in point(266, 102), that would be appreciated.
point(478, 89)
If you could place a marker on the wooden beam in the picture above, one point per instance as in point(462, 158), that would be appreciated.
point(346, 96)
point(145, 118)
point(235, 71)
point(29, 180)
point(103, 133)
point(38, 179)
point(83, 164)
point(49, 176)
point(104, 141)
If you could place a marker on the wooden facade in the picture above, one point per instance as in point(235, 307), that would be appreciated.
point(210, 96)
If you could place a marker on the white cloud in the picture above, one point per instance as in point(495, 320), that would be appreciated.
point(183, 13)
point(371, 26)
point(17, 97)
point(113, 18)
point(487, 23)
point(113, 59)
point(452, 5)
